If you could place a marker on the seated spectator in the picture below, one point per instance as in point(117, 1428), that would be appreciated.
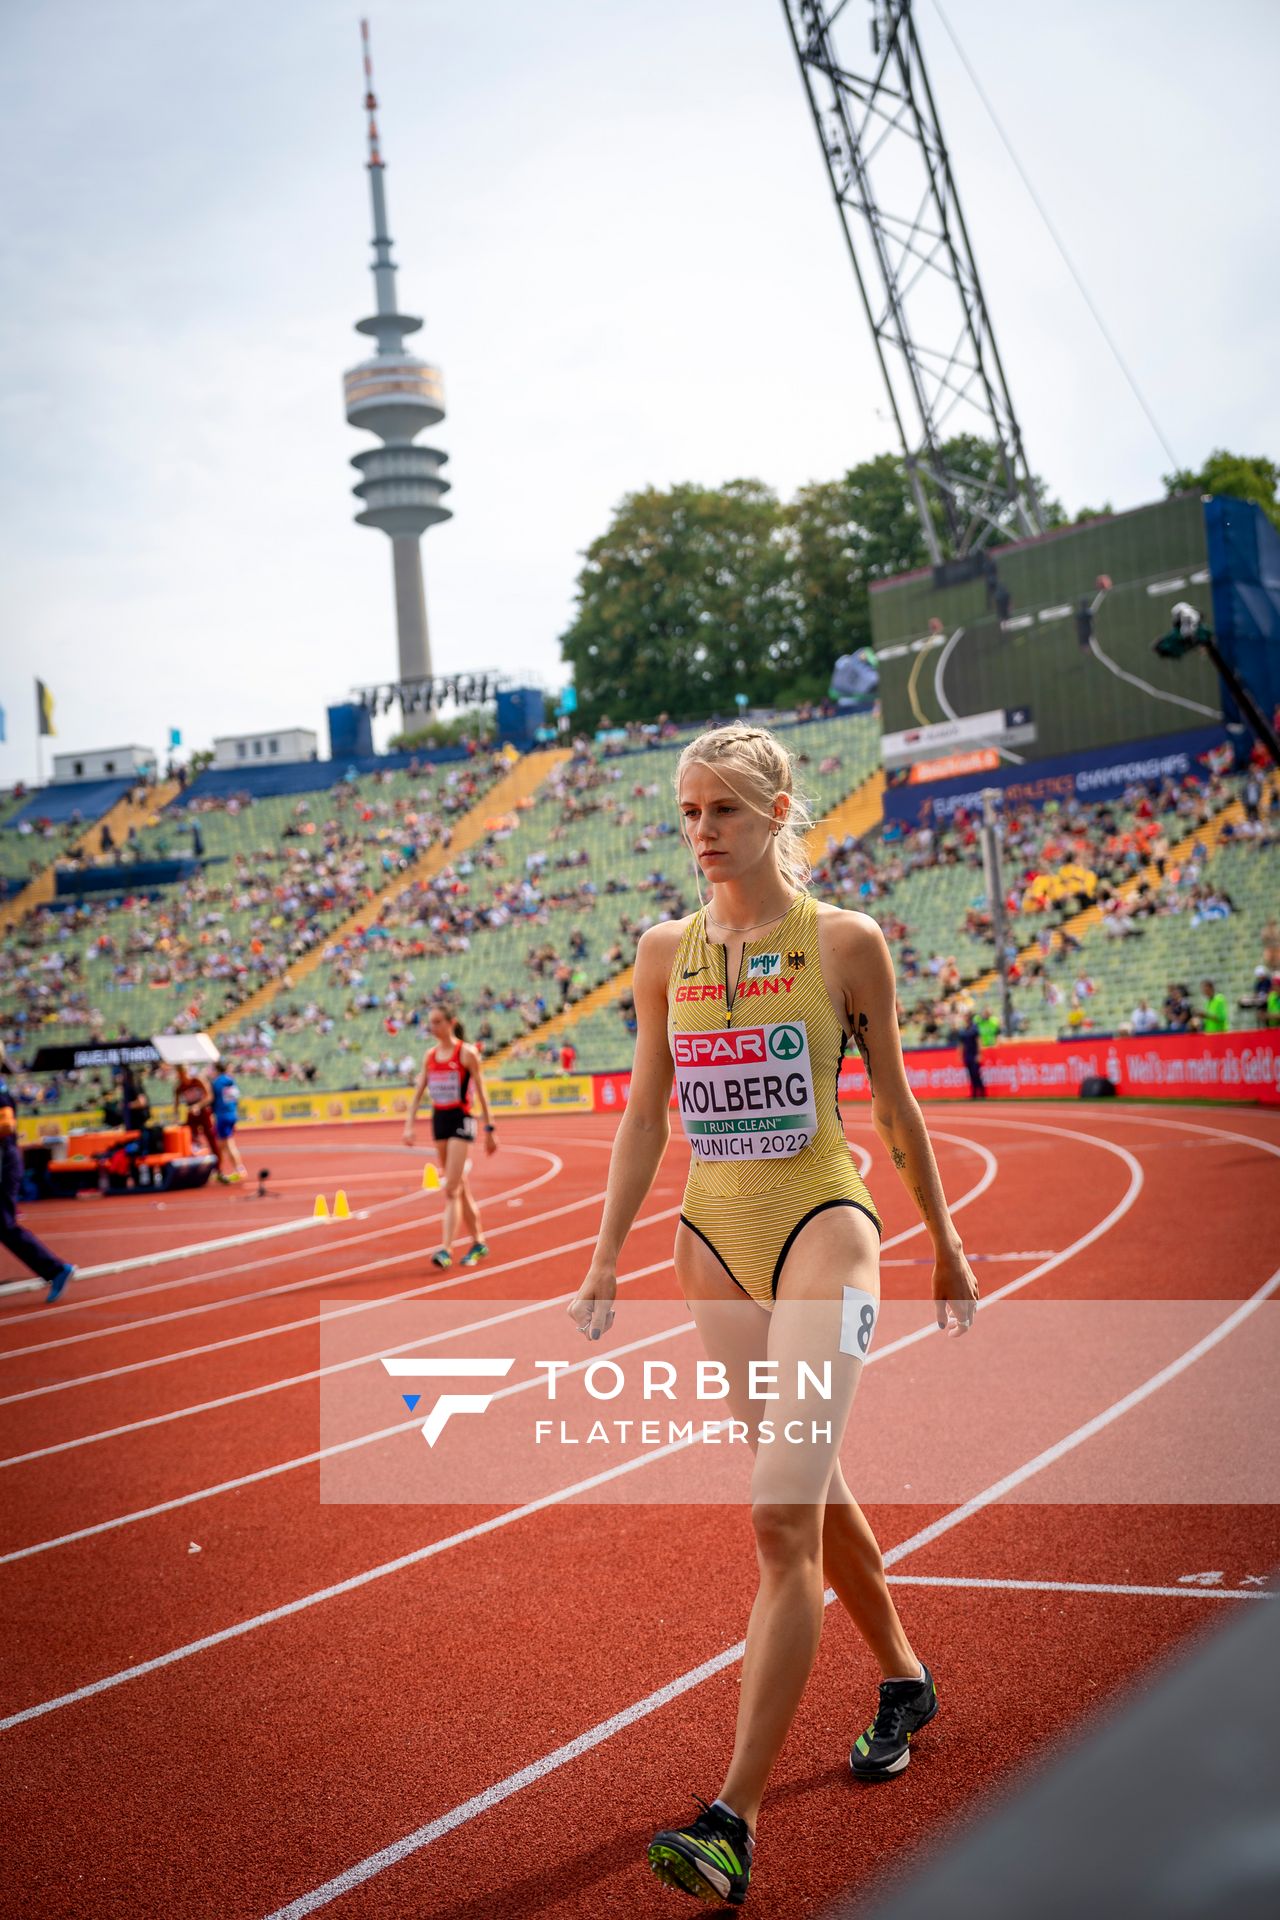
point(1255, 1001)
point(1144, 1018)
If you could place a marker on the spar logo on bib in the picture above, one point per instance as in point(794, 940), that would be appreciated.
point(785, 1042)
point(731, 1049)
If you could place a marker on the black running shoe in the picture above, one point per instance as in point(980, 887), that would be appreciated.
point(885, 1748)
point(711, 1859)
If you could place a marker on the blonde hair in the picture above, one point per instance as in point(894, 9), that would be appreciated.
point(757, 768)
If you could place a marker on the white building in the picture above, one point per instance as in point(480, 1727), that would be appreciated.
point(105, 763)
point(255, 749)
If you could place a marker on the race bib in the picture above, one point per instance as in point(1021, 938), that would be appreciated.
point(746, 1094)
point(859, 1312)
point(445, 1087)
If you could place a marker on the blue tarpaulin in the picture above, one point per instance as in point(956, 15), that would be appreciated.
point(1244, 562)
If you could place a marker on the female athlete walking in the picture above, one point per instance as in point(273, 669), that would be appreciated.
point(750, 1003)
point(450, 1071)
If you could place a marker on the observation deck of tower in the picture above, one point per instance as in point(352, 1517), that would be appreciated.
point(395, 396)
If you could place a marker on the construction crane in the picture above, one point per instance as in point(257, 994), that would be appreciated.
point(891, 176)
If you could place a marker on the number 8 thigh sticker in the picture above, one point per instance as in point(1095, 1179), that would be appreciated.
point(858, 1316)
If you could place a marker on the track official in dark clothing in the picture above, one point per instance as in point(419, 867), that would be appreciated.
point(970, 1040)
point(22, 1245)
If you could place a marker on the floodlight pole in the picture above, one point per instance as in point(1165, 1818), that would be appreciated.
point(994, 875)
point(890, 173)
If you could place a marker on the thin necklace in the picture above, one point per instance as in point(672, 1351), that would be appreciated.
point(724, 924)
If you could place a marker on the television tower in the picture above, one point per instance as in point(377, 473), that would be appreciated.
point(394, 395)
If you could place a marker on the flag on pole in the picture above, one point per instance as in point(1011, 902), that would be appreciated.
point(44, 710)
point(175, 736)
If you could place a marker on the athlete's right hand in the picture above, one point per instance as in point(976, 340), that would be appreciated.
point(591, 1309)
point(408, 1133)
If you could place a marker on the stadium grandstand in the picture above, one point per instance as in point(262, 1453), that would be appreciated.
point(311, 929)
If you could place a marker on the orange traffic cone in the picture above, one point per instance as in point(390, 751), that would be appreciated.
point(321, 1208)
point(430, 1179)
point(341, 1211)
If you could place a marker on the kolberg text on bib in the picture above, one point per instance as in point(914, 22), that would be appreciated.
point(746, 1093)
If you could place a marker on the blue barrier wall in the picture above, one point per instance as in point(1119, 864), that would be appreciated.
point(138, 876)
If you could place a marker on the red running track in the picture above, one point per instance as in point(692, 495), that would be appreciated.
point(225, 1700)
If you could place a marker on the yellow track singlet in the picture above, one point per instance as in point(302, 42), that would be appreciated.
point(756, 1070)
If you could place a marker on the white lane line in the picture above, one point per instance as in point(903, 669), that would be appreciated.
point(403, 1426)
point(437, 1286)
point(196, 1249)
point(985, 1584)
point(926, 1259)
point(503, 1789)
point(97, 1301)
point(339, 1245)
point(1137, 1180)
point(321, 1453)
point(386, 1433)
point(1050, 1455)
point(305, 1601)
point(314, 1373)
point(410, 1843)
point(503, 1197)
point(1188, 1126)
point(310, 1284)
point(350, 1585)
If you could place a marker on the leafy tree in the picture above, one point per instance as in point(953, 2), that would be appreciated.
point(1244, 476)
point(686, 600)
point(696, 594)
point(845, 534)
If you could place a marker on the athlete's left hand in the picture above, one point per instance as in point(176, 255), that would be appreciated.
point(491, 1143)
point(955, 1291)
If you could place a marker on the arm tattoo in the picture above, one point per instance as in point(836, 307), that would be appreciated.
point(921, 1202)
point(860, 1042)
point(899, 1158)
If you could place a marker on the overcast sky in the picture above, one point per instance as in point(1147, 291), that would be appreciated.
point(615, 217)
